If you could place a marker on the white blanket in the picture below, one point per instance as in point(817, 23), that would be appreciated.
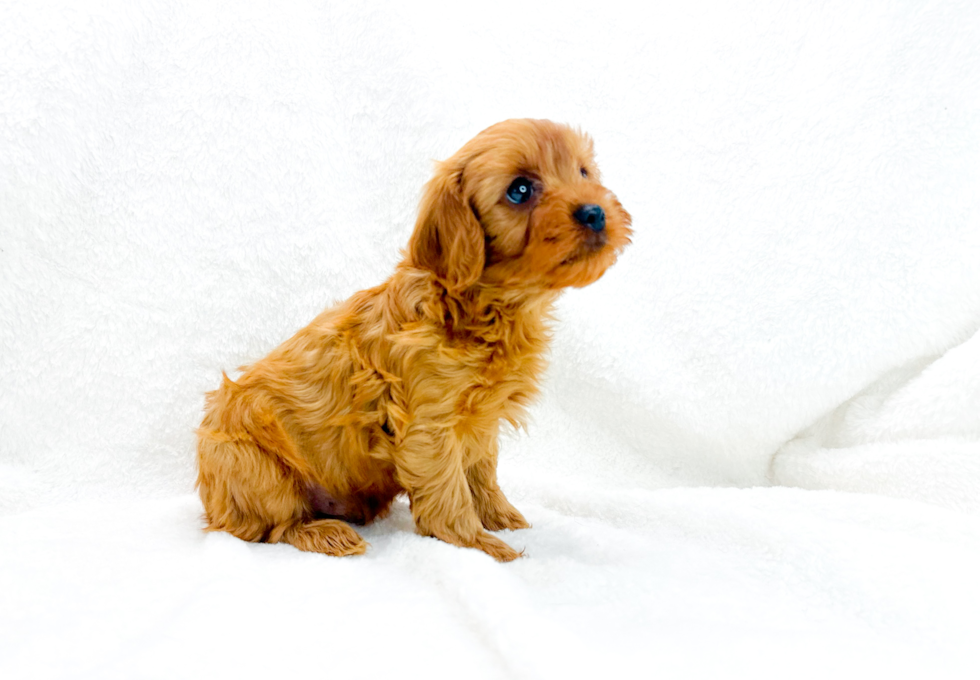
point(758, 448)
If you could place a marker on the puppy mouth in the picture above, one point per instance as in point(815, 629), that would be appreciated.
point(592, 243)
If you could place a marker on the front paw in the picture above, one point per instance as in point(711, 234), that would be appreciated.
point(496, 548)
point(478, 539)
point(502, 515)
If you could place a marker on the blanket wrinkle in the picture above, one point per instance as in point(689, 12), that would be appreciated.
point(914, 432)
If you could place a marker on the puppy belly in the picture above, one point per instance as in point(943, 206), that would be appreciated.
point(359, 509)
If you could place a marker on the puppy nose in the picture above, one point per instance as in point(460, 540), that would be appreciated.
point(591, 216)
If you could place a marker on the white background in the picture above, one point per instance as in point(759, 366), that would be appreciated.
point(758, 448)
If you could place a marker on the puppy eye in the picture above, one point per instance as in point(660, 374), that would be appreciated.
point(585, 173)
point(520, 190)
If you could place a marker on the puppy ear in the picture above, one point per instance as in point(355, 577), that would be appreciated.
point(448, 239)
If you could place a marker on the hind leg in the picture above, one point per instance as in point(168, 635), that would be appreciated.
point(256, 497)
point(328, 536)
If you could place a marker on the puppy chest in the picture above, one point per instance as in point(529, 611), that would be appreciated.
point(502, 399)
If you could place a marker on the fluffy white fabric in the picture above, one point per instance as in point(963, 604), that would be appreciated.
point(758, 449)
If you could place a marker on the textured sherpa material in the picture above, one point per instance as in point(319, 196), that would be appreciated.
point(758, 446)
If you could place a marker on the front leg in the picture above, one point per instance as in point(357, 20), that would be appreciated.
point(430, 468)
point(492, 507)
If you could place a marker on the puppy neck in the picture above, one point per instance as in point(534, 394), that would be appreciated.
point(483, 312)
point(494, 314)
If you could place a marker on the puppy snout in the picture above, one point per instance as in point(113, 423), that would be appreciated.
point(591, 216)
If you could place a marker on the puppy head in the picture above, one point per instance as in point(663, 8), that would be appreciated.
point(520, 205)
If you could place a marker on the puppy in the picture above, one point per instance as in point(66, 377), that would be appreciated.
point(402, 388)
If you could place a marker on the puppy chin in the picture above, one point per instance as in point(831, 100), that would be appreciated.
point(594, 253)
point(584, 269)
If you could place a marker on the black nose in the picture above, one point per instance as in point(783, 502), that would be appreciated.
point(590, 216)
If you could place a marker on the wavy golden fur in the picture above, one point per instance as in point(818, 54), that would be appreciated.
point(402, 388)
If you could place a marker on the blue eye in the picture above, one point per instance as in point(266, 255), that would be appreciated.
point(520, 190)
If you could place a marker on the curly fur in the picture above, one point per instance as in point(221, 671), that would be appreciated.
point(402, 388)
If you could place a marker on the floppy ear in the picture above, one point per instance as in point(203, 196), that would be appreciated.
point(448, 239)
